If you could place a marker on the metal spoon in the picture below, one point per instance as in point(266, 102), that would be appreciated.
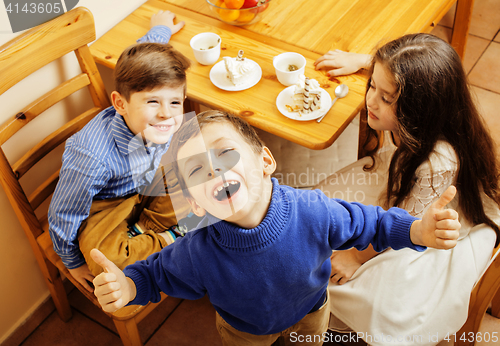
point(340, 91)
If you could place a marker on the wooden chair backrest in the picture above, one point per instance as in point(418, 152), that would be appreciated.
point(486, 294)
point(21, 57)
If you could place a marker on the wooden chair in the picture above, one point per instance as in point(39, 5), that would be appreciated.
point(19, 58)
point(486, 293)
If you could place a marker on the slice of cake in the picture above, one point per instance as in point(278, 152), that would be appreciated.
point(239, 69)
point(306, 95)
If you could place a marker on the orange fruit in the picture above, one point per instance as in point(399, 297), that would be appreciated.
point(228, 15)
point(245, 16)
point(218, 3)
point(234, 4)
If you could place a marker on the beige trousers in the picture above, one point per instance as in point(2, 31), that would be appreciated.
point(106, 228)
point(308, 331)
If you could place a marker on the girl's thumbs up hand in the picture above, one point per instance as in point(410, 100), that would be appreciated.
point(112, 288)
point(439, 227)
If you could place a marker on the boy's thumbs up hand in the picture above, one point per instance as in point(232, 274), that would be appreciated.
point(439, 227)
point(112, 288)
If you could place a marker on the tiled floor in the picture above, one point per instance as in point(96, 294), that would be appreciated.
point(173, 322)
point(482, 58)
point(178, 322)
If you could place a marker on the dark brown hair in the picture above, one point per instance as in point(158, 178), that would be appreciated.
point(433, 102)
point(193, 127)
point(146, 66)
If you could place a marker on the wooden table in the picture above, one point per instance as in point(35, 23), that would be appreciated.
point(309, 27)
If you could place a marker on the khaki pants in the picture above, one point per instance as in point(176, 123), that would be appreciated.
point(106, 228)
point(308, 331)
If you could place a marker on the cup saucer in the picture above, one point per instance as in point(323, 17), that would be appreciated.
point(285, 97)
point(219, 78)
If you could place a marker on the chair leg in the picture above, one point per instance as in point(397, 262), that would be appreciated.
point(57, 290)
point(279, 342)
point(495, 305)
point(129, 333)
point(463, 16)
point(60, 298)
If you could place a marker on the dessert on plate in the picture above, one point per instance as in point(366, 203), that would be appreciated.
point(306, 96)
point(239, 69)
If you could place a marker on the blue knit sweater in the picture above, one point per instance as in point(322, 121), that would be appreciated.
point(266, 279)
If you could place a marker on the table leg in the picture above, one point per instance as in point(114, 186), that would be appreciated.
point(461, 26)
point(363, 123)
point(190, 106)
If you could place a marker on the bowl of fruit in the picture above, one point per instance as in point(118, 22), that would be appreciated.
point(238, 12)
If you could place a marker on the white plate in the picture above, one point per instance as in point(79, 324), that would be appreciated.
point(218, 76)
point(285, 97)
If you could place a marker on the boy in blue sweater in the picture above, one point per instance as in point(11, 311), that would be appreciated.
point(266, 266)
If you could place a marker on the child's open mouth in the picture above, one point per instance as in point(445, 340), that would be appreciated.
point(226, 190)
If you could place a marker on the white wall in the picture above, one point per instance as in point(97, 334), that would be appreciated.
point(22, 288)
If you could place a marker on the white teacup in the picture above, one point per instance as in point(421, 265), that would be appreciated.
point(283, 64)
point(206, 47)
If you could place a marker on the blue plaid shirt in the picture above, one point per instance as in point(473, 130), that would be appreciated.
point(103, 160)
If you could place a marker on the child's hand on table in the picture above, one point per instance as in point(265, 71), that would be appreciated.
point(112, 288)
point(166, 18)
point(342, 63)
point(439, 227)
